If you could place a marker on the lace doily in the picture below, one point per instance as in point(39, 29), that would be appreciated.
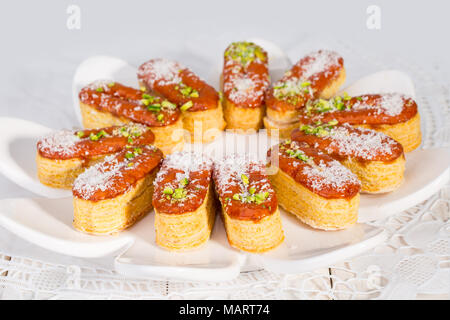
point(414, 261)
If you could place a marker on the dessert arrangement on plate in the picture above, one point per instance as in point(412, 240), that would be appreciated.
point(129, 159)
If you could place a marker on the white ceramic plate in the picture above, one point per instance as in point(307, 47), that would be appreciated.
point(48, 223)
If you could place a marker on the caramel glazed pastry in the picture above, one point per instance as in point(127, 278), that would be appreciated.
point(249, 204)
point(391, 113)
point(63, 155)
point(313, 186)
point(184, 201)
point(199, 102)
point(374, 157)
point(106, 103)
point(245, 79)
point(317, 75)
point(112, 195)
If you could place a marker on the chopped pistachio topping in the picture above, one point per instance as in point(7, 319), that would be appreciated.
point(168, 104)
point(111, 84)
point(184, 182)
point(168, 190)
point(99, 135)
point(129, 131)
point(142, 89)
point(160, 117)
point(245, 52)
point(99, 89)
point(154, 107)
point(179, 193)
point(187, 91)
point(320, 130)
point(80, 134)
point(337, 103)
point(244, 179)
point(130, 164)
point(292, 90)
point(131, 154)
point(186, 106)
point(257, 198)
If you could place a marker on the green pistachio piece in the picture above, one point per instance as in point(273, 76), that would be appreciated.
point(186, 106)
point(160, 117)
point(236, 196)
point(129, 155)
point(168, 104)
point(80, 134)
point(184, 182)
point(332, 122)
point(244, 179)
point(167, 190)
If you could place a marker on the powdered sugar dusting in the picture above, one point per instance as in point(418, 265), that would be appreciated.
point(185, 161)
point(364, 143)
point(98, 177)
point(331, 175)
point(160, 70)
point(63, 142)
point(320, 61)
point(391, 104)
point(229, 173)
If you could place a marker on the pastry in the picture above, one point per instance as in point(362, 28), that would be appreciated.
point(63, 155)
point(313, 186)
point(198, 101)
point(245, 80)
point(107, 103)
point(184, 201)
point(112, 195)
point(391, 113)
point(249, 204)
point(317, 75)
point(374, 157)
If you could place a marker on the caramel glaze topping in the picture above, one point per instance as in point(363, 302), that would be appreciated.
point(117, 174)
point(85, 144)
point(315, 170)
point(369, 109)
point(305, 81)
point(133, 104)
point(245, 74)
point(344, 141)
point(244, 189)
point(182, 183)
point(177, 83)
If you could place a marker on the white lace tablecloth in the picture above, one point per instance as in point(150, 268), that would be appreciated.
point(413, 263)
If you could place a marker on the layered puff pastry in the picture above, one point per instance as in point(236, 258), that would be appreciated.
point(106, 103)
point(63, 155)
point(249, 204)
point(317, 75)
point(198, 101)
point(112, 195)
point(316, 188)
point(245, 79)
point(393, 114)
point(374, 157)
point(184, 201)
